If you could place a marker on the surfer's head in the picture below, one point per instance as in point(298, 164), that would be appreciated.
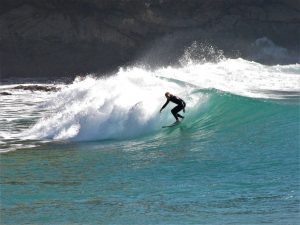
point(168, 95)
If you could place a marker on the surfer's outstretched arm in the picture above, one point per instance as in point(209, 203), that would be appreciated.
point(167, 102)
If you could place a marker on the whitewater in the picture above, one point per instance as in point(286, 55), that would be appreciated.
point(97, 144)
point(126, 104)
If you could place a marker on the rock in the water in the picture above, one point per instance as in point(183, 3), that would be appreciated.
point(36, 88)
point(5, 93)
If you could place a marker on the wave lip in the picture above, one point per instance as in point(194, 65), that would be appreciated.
point(122, 106)
point(126, 105)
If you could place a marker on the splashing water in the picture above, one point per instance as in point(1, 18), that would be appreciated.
point(97, 146)
point(126, 105)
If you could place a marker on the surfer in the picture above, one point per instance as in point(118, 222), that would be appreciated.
point(180, 105)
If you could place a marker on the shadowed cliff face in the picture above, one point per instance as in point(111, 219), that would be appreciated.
point(63, 38)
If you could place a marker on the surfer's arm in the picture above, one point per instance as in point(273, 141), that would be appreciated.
point(167, 102)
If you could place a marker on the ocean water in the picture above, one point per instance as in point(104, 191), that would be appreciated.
point(95, 152)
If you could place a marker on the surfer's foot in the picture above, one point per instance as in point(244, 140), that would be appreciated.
point(180, 116)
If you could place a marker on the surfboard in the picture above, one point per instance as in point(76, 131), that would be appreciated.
point(172, 125)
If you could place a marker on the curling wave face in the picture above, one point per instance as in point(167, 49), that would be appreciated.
point(122, 106)
point(126, 104)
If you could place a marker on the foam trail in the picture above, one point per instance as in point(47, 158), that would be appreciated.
point(239, 77)
point(122, 106)
point(127, 104)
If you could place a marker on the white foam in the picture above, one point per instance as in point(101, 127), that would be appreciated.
point(122, 106)
point(238, 76)
point(127, 104)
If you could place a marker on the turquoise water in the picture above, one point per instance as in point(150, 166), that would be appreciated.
point(233, 160)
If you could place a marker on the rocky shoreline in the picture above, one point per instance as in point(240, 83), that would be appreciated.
point(67, 38)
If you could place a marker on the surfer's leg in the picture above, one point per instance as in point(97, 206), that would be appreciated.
point(174, 112)
point(177, 109)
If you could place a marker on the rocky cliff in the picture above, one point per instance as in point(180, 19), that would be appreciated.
point(64, 38)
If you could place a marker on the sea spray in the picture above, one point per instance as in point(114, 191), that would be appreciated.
point(122, 106)
point(126, 104)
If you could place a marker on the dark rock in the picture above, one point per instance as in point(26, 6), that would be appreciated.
point(61, 38)
point(5, 93)
point(36, 88)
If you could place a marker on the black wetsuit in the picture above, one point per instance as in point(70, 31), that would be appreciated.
point(180, 105)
